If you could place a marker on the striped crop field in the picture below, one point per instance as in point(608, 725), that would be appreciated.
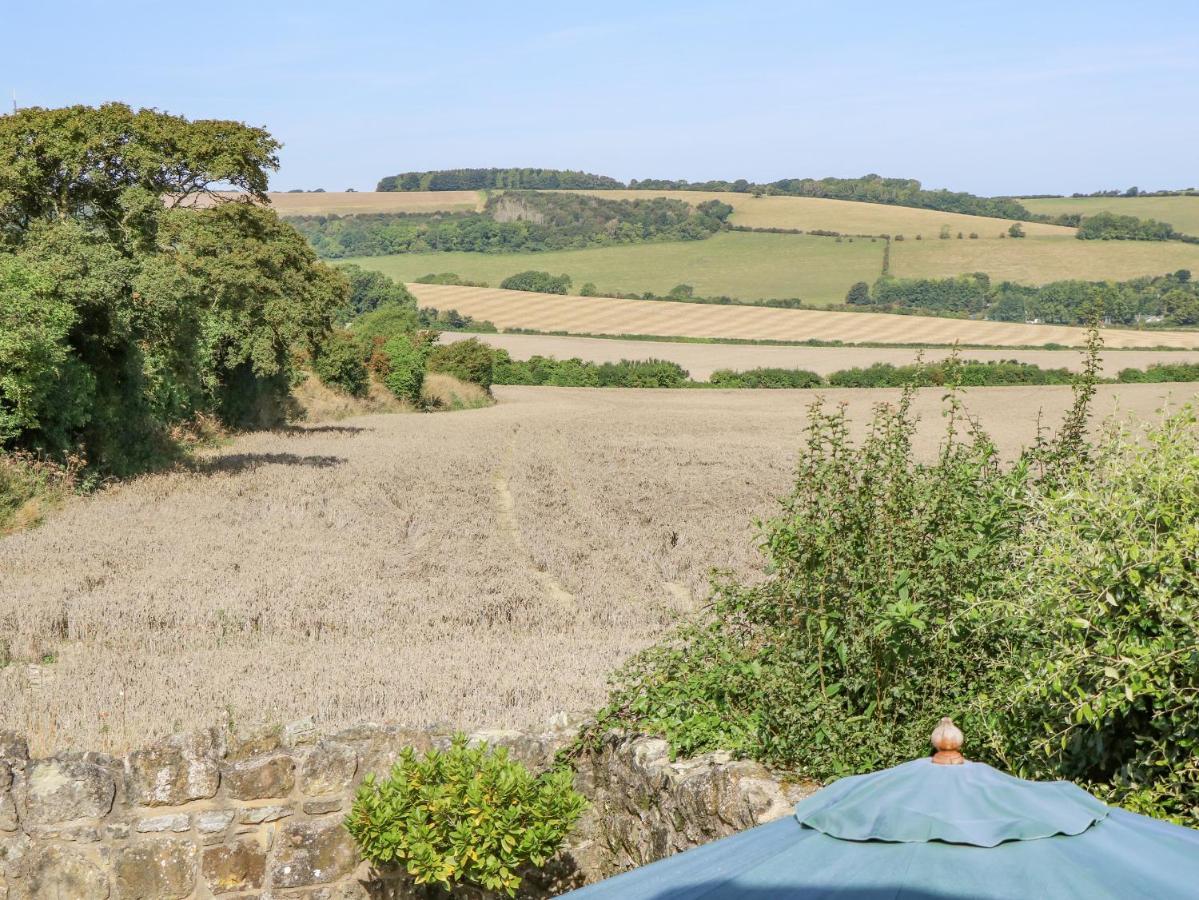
point(600, 315)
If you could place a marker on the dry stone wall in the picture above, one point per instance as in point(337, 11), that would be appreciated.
point(213, 815)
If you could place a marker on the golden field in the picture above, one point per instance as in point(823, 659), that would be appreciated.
point(1182, 212)
point(346, 203)
point(598, 315)
point(701, 360)
point(483, 568)
point(846, 216)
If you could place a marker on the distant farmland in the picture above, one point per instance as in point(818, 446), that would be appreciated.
point(847, 216)
point(346, 203)
point(700, 360)
point(1181, 212)
point(1037, 260)
point(747, 266)
point(597, 315)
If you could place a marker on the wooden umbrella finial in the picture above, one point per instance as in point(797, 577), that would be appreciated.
point(947, 741)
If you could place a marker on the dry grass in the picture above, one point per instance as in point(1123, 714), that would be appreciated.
point(595, 315)
point(1038, 260)
point(847, 216)
point(701, 360)
point(345, 203)
point(483, 568)
point(448, 392)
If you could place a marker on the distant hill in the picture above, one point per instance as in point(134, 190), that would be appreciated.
point(868, 189)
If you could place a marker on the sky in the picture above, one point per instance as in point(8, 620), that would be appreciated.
point(987, 97)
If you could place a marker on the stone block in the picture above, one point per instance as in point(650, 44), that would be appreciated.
point(57, 873)
point(51, 791)
point(322, 807)
point(313, 852)
point(214, 820)
point(262, 778)
point(327, 768)
point(238, 866)
point(14, 749)
point(156, 870)
point(175, 771)
point(259, 814)
point(176, 822)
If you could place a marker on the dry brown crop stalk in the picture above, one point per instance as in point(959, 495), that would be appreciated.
point(368, 570)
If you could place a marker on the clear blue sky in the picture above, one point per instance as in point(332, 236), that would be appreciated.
point(988, 97)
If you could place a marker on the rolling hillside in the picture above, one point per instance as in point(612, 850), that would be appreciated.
point(597, 315)
point(1181, 212)
point(747, 266)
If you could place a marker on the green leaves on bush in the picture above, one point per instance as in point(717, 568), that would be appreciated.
point(541, 282)
point(406, 355)
point(1107, 597)
point(464, 815)
point(468, 360)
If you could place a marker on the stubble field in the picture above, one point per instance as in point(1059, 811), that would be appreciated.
point(1182, 212)
point(599, 315)
point(486, 568)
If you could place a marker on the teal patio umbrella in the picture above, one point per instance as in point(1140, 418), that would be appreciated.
point(931, 829)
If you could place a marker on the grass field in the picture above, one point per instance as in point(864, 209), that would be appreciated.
point(849, 217)
point(702, 359)
point(597, 315)
point(486, 568)
point(1037, 260)
point(748, 266)
point(1181, 212)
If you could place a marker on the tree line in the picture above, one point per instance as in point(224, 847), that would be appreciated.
point(1165, 300)
point(484, 179)
point(514, 222)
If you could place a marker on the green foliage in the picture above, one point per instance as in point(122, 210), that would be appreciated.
point(765, 378)
point(340, 364)
point(404, 367)
point(465, 815)
point(541, 282)
point(467, 360)
point(483, 179)
point(858, 294)
point(369, 290)
point(1106, 226)
point(27, 486)
point(1015, 230)
point(514, 222)
point(1160, 372)
point(961, 295)
point(126, 311)
point(649, 373)
point(1107, 599)
point(968, 373)
point(449, 278)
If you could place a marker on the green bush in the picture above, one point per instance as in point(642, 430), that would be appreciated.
point(541, 282)
point(405, 356)
point(340, 364)
point(449, 278)
point(1161, 372)
point(1107, 603)
point(464, 815)
point(765, 378)
point(469, 360)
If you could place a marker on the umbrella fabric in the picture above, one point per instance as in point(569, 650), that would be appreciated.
point(970, 803)
point(1125, 856)
point(922, 831)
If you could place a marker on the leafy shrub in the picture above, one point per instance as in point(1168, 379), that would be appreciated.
point(541, 282)
point(403, 365)
point(766, 378)
point(449, 278)
point(469, 360)
point(339, 363)
point(371, 290)
point(1108, 601)
point(464, 815)
point(1160, 372)
point(968, 373)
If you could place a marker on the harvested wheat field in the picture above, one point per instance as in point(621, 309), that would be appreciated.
point(599, 315)
point(485, 568)
point(846, 216)
point(348, 203)
point(701, 360)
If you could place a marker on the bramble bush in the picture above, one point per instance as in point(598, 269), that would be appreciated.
point(1052, 606)
point(464, 815)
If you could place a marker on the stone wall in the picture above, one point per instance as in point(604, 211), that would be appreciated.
point(208, 814)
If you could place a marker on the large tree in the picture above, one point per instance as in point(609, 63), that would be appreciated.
point(158, 297)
